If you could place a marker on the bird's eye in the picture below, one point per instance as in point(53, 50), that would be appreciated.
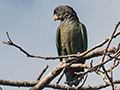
point(54, 12)
point(58, 15)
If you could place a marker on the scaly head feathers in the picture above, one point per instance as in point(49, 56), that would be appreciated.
point(62, 12)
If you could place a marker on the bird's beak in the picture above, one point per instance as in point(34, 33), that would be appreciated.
point(55, 17)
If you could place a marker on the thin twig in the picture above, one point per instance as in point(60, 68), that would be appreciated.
point(111, 73)
point(12, 44)
point(61, 76)
point(39, 77)
point(114, 65)
point(83, 81)
point(108, 78)
point(91, 64)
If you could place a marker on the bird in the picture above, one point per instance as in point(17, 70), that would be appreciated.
point(71, 38)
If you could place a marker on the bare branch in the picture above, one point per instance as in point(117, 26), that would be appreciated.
point(66, 56)
point(18, 83)
point(112, 53)
point(55, 86)
point(110, 39)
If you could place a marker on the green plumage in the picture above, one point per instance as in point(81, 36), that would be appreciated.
point(71, 38)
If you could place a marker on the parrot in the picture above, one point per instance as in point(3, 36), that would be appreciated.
point(71, 38)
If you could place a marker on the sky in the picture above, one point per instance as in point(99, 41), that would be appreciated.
point(30, 24)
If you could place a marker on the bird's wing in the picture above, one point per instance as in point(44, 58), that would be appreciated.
point(84, 36)
point(58, 42)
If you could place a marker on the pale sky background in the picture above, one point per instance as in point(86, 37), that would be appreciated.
point(30, 25)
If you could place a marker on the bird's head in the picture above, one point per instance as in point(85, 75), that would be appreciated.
point(62, 12)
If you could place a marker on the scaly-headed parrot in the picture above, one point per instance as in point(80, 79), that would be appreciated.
point(71, 38)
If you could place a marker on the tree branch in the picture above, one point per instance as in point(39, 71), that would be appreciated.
point(64, 56)
point(55, 86)
point(112, 53)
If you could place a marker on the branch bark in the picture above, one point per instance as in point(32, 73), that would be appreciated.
point(54, 86)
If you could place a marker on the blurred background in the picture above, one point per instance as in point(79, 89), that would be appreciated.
point(30, 24)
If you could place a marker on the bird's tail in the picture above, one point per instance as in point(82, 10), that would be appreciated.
point(71, 76)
